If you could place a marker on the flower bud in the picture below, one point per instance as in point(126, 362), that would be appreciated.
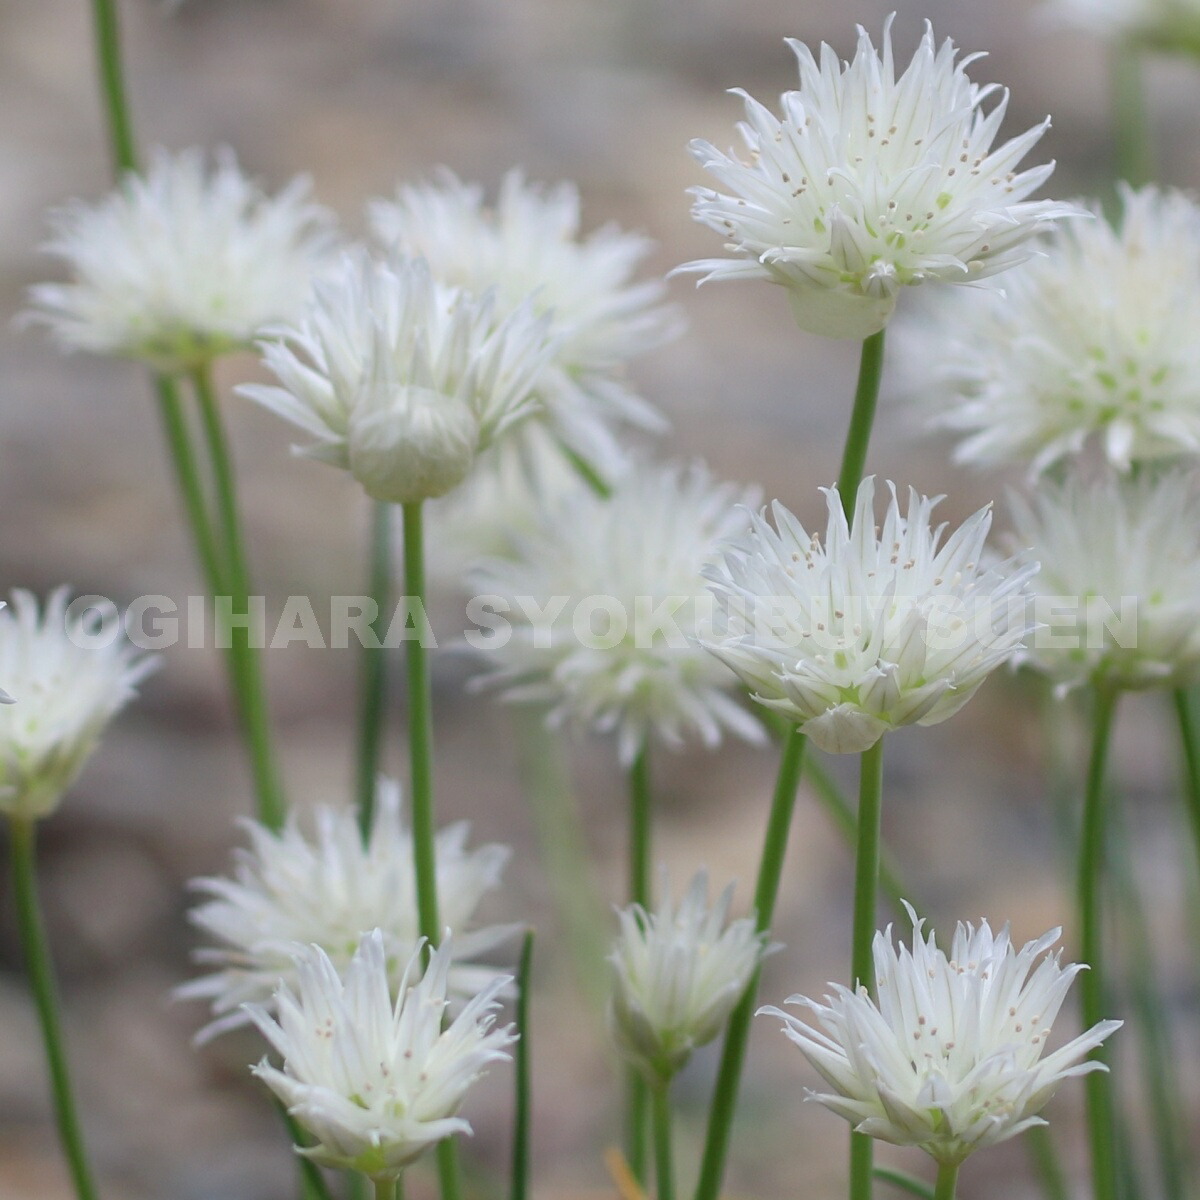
point(677, 975)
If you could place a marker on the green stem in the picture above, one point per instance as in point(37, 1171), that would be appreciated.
point(1191, 761)
point(449, 1175)
point(23, 852)
point(858, 437)
point(639, 893)
point(356, 1186)
point(661, 1102)
point(733, 1053)
point(866, 866)
point(1133, 154)
point(1167, 1109)
point(420, 752)
point(840, 812)
point(904, 1182)
point(112, 86)
point(947, 1179)
point(385, 1189)
point(587, 472)
point(372, 703)
point(866, 883)
point(637, 1112)
point(191, 488)
point(521, 1077)
point(249, 687)
point(1092, 982)
point(420, 731)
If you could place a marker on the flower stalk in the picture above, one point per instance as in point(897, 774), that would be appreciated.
point(22, 835)
point(866, 885)
point(420, 731)
point(1100, 1119)
point(522, 1080)
point(245, 663)
point(947, 1179)
point(112, 85)
point(733, 1054)
point(420, 743)
point(661, 1105)
point(372, 701)
point(640, 840)
point(1191, 760)
point(640, 835)
point(862, 418)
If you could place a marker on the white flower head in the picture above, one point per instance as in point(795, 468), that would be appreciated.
point(402, 380)
point(368, 1069)
point(605, 601)
point(68, 678)
point(1119, 588)
point(1161, 24)
point(871, 628)
point(868, 183)
point(1092, 342)
point(950, 1056)
point(530, 244)
point(678, 973)
point(183, 264)
point(290, 890)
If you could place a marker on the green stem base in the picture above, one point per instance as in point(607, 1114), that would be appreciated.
point(737, 1034)
point(34, 944)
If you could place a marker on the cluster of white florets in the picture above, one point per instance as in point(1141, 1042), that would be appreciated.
point(480, 353)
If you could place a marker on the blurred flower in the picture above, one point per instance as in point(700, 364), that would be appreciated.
point(68, 679)
point(869, 183)
point(402, 380)
point(1119, 589)
point(501, 502)
point(677, 975)
point(371, 1074)
point(1093, 340)
point(605, 601)
point(1162, 24)
point(950, 1056)
point(529, 244)
point(872, 630)
point(290, 891)
point(182, 265)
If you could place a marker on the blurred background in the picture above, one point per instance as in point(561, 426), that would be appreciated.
point(360, 94)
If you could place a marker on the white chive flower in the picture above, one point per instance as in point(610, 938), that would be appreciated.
point(1160, 24)
point(869, 630)
point(1092, 342)
point(605, 601)
point(868, 183)
point(402, 380)
point(183, 264)
point(678, 973)
point(67, 678)
point(951, 1057)
point(529, 243)
point(1119, 589)
point(368, 1069)
point(289, 889)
